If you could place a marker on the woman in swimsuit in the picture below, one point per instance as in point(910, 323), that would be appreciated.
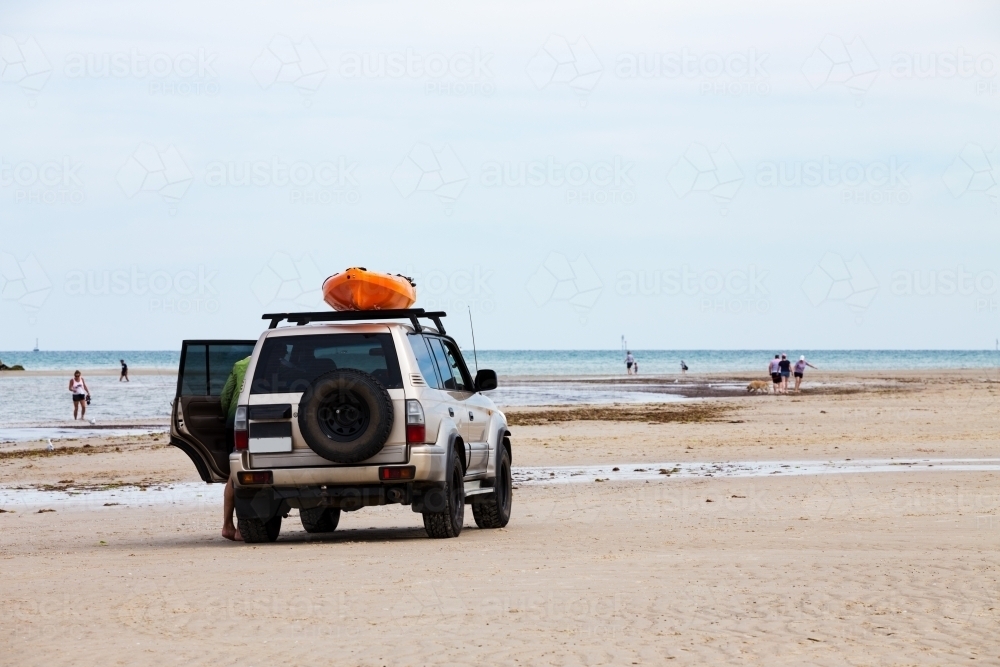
point(78, 387)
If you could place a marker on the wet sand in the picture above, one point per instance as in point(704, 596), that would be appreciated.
point(868, 568)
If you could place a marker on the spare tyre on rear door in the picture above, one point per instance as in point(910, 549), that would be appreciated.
point(345, 416)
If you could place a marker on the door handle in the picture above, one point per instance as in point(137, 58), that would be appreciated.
point(472, 417)
point(451, 412)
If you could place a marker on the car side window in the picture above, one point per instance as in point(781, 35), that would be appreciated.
point(205, 366)
point(449, 381)
point(457, 365)
point(450, 365)
point(425, 361)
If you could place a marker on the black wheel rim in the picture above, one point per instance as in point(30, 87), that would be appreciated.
point(343, 416)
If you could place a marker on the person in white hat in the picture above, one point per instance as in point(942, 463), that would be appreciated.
point(800, 369)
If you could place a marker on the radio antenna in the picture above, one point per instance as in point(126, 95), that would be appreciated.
point(473, 330)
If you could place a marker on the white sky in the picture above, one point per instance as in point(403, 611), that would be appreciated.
point(549, 265)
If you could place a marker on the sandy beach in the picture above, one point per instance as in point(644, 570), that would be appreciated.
point(887, 568)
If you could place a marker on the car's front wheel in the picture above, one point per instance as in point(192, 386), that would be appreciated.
point(493, 511)
point(444, 509)
point(256, 530)
point(320, 519)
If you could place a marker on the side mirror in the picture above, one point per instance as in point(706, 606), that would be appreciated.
point(486, 380)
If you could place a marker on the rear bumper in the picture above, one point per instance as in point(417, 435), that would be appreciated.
point(430, 462)
point(266, 501)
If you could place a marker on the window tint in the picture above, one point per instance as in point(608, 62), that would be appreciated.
point(220, 364)
point(424, 360)
point(447, 382)
point(450, 373)
point(457, 364)
point(291, 363)
point(194, 372)
point(206, 367)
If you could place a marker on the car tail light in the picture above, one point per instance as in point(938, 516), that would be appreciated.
point(255, 477)
point(240, 434)
point(401, 472)
point(416, 429)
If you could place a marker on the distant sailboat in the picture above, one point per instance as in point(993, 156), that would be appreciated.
point(36, 346)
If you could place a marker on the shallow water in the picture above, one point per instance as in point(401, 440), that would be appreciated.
point(568, 393)
point(200, 494)
point(32, 400)
point(45, 403)
point(732, 469)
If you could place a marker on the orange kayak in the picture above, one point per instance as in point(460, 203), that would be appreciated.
point(360, 289)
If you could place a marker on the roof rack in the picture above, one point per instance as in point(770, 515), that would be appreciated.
point(411, 314)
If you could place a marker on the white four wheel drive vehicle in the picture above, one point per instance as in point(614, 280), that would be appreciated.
point(343, 411)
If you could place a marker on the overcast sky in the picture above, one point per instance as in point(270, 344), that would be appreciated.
point(689, 175)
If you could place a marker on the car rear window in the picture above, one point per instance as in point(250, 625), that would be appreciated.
point(291, 363)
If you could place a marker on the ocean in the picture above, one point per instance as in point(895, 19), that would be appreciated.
point(574, 362)
point(34, 402)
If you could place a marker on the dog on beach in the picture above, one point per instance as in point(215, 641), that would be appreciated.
point(758, 387)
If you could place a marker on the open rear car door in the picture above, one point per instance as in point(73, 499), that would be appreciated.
point(197, 424)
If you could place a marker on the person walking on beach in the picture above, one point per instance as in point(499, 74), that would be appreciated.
point(78, 387)
point(785, 368)
point(629, 362)
point(124, 375)
point(800, 369)
point(229, 398)
point(774, 369)
point(684, 367)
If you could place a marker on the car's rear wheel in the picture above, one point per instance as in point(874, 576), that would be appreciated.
point(320, 519)
point(493, 511)
point(256, 530)
point(444, 511)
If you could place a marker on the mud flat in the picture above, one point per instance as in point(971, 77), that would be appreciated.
point(840, 558)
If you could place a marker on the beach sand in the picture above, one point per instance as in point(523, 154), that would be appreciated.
point(866, 569)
